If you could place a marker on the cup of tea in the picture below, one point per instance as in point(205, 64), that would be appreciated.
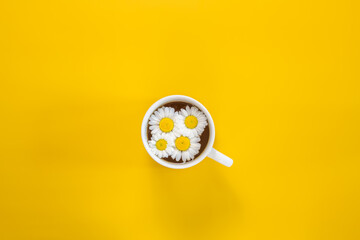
point(178, 132)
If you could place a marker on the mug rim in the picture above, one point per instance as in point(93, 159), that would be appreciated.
point(173, 98)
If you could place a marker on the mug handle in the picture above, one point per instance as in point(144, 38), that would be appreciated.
point(221, 158)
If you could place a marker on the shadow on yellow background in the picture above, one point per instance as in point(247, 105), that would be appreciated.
point(280, 79)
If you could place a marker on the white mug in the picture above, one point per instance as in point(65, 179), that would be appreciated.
point(209, 151)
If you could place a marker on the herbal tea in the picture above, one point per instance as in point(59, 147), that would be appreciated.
point(178, 132)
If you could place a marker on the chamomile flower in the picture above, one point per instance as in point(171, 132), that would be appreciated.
point(163, 121)
point(162, 145)
point(191, 121)
point(186, 147)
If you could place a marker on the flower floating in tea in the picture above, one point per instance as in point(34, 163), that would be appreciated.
point(162, 145)
point(186, 147)
point(163, 121)
point(191, 121)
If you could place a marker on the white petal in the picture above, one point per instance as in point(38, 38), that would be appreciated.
point(183, 157)
point(178, 156)
point(155, 131)
point(169, 150)
point(196, 145)
point(187, 155)
point(192, 152)
point(184, 112)
point(154, 118)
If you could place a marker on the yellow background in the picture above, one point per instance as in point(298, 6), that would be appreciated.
point(280, 78)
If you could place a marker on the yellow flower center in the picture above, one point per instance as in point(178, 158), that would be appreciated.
point(166, 125)
point(182, 143)
point(191, 122)
point(161, 144)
